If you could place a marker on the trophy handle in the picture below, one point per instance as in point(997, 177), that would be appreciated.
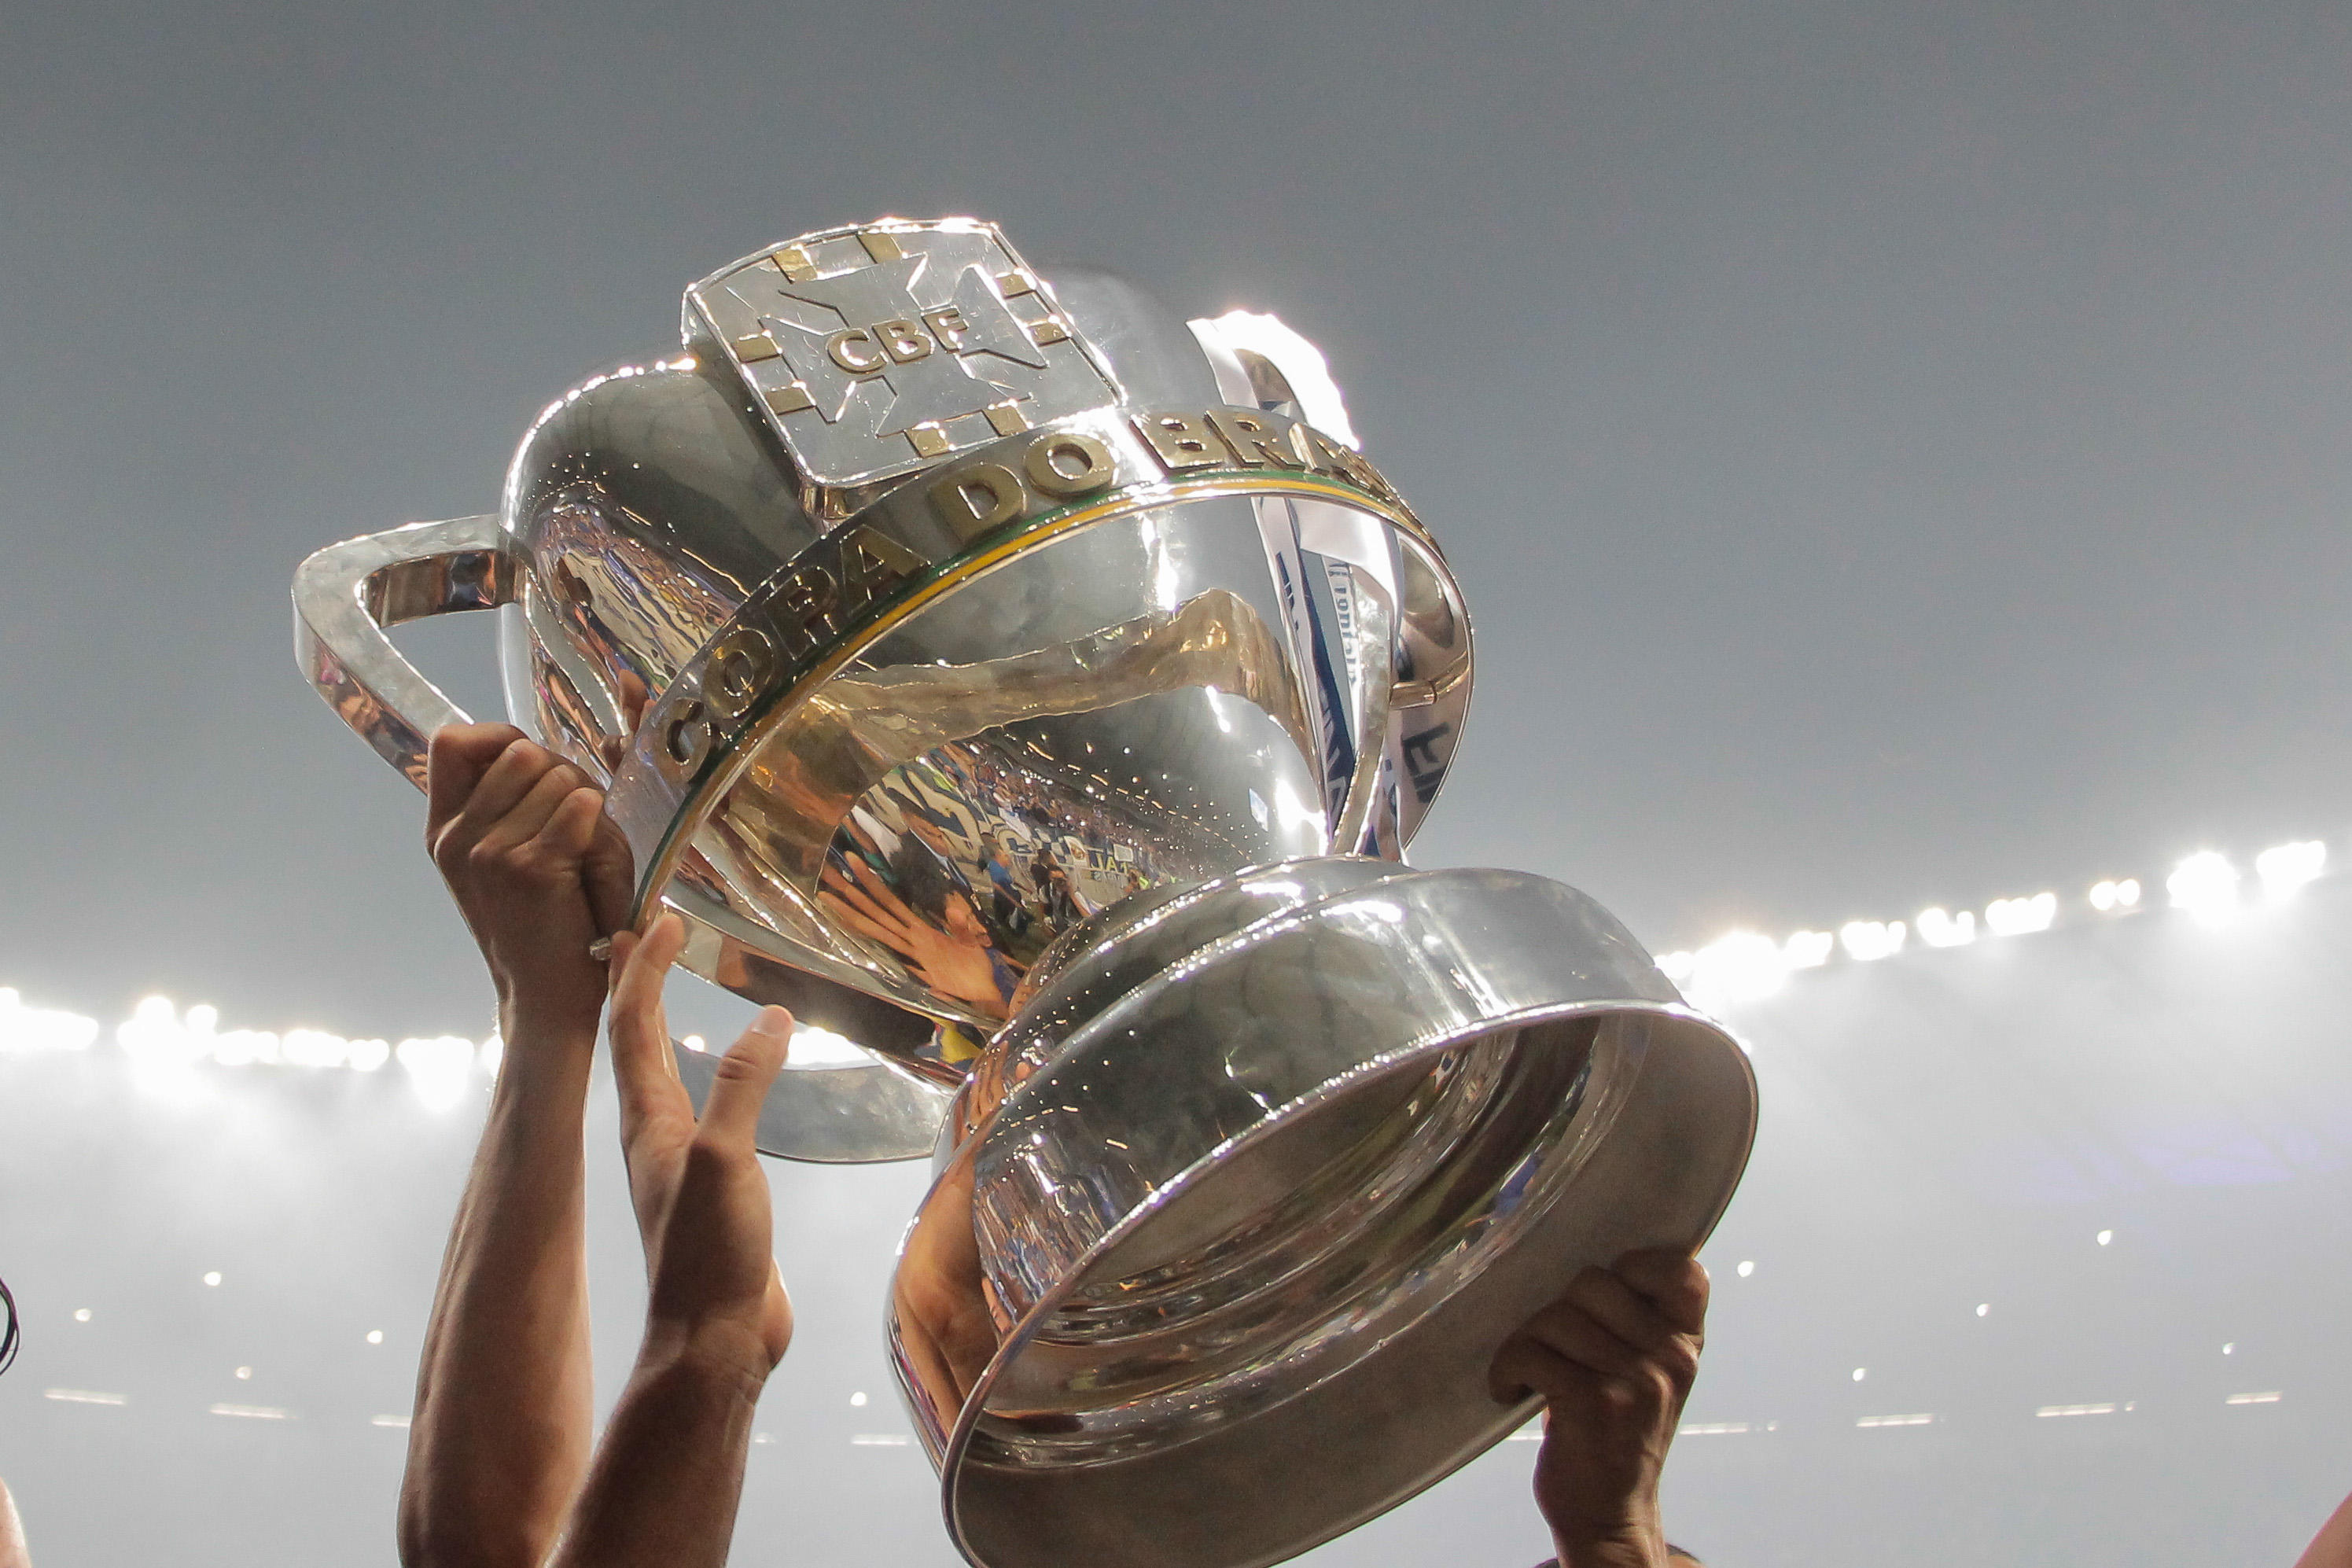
point(347, 594)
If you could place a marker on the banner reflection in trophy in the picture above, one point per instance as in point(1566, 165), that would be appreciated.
point(1040, 690)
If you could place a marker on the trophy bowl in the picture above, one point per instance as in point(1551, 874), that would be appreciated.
point(1040, 690)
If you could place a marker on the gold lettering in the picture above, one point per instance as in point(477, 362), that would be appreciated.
point(902, 340)
point(842, 348)
point(1256, 443)
point(1302, 446)
point(804, 604)
point(977, 499)
point(1334, 457)
point(1183, 440)
point(948, 324)
point(687, 736)
point(742, 663)
point(1068, 464)
point(872, 564)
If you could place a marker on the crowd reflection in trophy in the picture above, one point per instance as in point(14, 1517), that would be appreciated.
point(1040, 690)
point(965, 862)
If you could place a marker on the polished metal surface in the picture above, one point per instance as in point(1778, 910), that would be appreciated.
point(876, 351)
point(1041, 690)
point(1308, 1143)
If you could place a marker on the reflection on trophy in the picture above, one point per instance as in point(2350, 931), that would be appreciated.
point(1041, 690)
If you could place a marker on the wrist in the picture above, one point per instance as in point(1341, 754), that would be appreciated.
point(534, 1027)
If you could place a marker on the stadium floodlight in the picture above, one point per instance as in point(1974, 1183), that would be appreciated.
point(2109, 896)
point(2205, 885)
point(1938, 928)
point(1867, 940)
point(2021, 917)
point(1739, 966)
point(1807, 949)
point(155, 1039)
point(438, 1069)
point(1676, 966)
point(24, 1028)
point(2287, 867)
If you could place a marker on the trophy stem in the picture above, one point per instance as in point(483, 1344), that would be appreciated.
point(1269, 1166)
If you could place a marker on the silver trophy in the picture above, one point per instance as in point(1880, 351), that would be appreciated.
point(1040, 690)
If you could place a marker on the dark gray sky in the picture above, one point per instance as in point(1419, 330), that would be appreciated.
point(1895, 454)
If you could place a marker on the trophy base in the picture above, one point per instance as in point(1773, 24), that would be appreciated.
point(1250, 1193)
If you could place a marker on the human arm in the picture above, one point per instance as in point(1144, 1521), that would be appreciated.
point(668, 1473)
point(1614, 1360)
point(2331, 1548)
point(501, 1432)
point(13, 1552)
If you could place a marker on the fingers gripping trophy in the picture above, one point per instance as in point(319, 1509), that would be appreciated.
point(1040, 690)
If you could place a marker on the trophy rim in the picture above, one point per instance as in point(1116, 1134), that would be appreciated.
point(1730, 1149)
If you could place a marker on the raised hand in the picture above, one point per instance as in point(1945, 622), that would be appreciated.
point(1614, 1360)
point(536, 868)
point(954, 967)
point(700, 1195)
point(499, 1440)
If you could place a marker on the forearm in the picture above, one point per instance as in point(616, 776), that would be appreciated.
point(668, 1475)
point(2332, 1547)
point(500, 1433)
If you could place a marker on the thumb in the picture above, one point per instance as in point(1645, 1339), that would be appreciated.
point(731, 1115)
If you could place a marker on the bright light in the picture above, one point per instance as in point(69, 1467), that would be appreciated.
point(24, 1028)
point(1983, 1307)
point(2106, 1236)
point(2110, 896)
point(1860, 1372)
point(376, 1336)
point(154, 1038)
point(2205, 885)
point(438, 1069)
point(1866, 939)
point(1745, 1269)
point(2289, 866)
point(1739, 967)
point(695, 1043)
point(1937, 928)
point(157, 1037)
point(82, 1314)
point(1675, 966)
point(244, 1373)
point(2021, 917)
point(1808, 949)
point(1302, 365)
point(858, 1399)
point(214, 1277)
point(814, 1047)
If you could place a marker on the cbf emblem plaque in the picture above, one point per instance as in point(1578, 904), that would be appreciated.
point(873, 352)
